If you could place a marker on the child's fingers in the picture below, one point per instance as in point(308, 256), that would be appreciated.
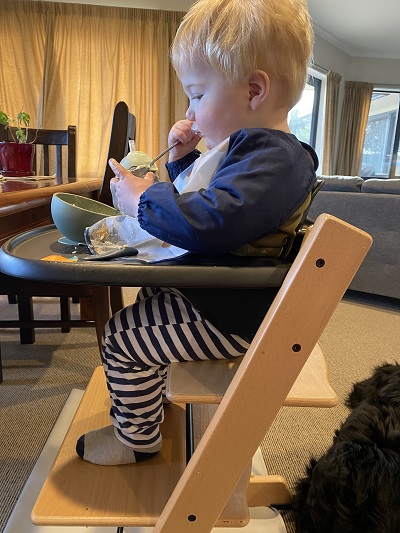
point(181, 131)
point(119, 171)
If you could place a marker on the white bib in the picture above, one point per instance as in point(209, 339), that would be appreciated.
point(199, 174)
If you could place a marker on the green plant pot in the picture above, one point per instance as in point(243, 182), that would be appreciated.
point(17, 159)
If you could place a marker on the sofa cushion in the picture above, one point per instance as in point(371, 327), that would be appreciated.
point(342, 183)
point(383, 186)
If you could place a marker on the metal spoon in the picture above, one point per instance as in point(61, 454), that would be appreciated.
point(143, 170)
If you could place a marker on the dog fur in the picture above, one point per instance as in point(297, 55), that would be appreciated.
point(355, 486)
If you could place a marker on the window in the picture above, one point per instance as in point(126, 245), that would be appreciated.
point(306, 118)
point(380, 155)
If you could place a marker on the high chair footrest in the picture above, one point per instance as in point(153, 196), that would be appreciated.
point(80, 493)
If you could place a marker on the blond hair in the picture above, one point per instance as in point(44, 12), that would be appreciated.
point(236, 37)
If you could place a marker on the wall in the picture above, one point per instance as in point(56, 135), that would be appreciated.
point(329, 57)
point(326, 55)
point(378, 71)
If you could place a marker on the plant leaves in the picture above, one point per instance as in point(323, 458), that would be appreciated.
point(4, 119)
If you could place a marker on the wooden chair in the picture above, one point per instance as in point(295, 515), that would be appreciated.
point(47, 139)
point(44, 139)
point(123, 129)
point(214, 488)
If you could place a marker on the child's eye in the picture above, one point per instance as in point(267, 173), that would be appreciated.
point(196, 97)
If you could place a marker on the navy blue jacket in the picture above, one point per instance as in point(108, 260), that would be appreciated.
point(265, 177)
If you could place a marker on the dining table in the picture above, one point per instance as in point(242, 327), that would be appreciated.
point(25, 203)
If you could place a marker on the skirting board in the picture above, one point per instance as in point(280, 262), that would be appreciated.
point(263, 519)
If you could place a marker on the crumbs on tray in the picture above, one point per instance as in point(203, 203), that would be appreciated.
point(60, 258)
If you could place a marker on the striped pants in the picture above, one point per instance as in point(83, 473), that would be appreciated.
point(138, 344)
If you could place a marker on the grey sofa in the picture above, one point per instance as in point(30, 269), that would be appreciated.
point(374, 206)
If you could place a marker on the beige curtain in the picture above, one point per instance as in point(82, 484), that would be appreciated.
point(356, 104)
point(85, 59)
point(21, 56)
point(331, 114)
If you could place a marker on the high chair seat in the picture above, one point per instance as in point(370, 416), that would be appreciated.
point(207, 381)
point(194, 498)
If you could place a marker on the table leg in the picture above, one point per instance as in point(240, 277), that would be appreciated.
point(101, 304)
point(116, 299)
point(86, 308)
point(1, 367)
point(65, 312)
point(25, 314)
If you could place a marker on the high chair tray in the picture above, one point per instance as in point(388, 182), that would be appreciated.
point(23, 254)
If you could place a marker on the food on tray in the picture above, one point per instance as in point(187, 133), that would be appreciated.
point(59, 258)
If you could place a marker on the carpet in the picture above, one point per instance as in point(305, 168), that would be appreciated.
point(38, 379)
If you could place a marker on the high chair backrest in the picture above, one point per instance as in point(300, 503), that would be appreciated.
point(123, 130)
point(312, 289)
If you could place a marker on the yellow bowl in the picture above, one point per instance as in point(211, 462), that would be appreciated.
point(72, 214)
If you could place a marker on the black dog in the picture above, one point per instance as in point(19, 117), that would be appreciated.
point(355, 486)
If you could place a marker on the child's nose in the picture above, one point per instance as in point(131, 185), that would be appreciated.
point(190, 114)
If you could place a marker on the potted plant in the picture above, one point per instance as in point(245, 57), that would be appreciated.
point(16, 156)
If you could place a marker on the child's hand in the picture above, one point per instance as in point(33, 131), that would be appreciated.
point(127, 188)
point(182, 131)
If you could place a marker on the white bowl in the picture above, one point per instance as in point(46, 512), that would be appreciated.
point(72, 214)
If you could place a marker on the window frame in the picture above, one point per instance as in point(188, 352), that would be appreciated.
point(316, 83)
point(396, 134)
point(396, 148)
point(317, 78)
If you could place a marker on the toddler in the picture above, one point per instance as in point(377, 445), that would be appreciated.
point(243, 66)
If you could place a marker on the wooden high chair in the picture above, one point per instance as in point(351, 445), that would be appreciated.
point(213, 488)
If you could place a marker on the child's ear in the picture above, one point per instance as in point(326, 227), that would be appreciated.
point(259, 85)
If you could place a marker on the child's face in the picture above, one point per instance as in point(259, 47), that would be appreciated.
point(217, 107)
